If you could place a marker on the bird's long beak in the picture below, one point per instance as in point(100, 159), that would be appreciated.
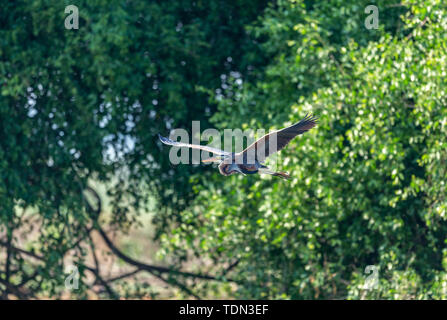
point(213, 159)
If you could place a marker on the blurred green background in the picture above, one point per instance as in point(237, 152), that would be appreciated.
point(85, 182)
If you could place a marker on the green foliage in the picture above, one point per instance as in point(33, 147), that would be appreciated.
point(369, 180)
point(85, 105)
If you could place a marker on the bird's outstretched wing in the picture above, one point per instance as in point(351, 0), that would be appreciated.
point(193, 146)
point(277, 140)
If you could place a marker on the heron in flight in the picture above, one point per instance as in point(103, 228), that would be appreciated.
point(250, 160)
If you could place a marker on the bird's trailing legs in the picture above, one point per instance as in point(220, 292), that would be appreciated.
point(283, 175)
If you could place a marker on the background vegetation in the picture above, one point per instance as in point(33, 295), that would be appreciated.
point(81, 166)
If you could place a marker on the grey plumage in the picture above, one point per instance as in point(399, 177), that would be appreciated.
point(249, 161)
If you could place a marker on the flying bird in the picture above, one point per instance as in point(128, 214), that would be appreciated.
point(250, 160)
